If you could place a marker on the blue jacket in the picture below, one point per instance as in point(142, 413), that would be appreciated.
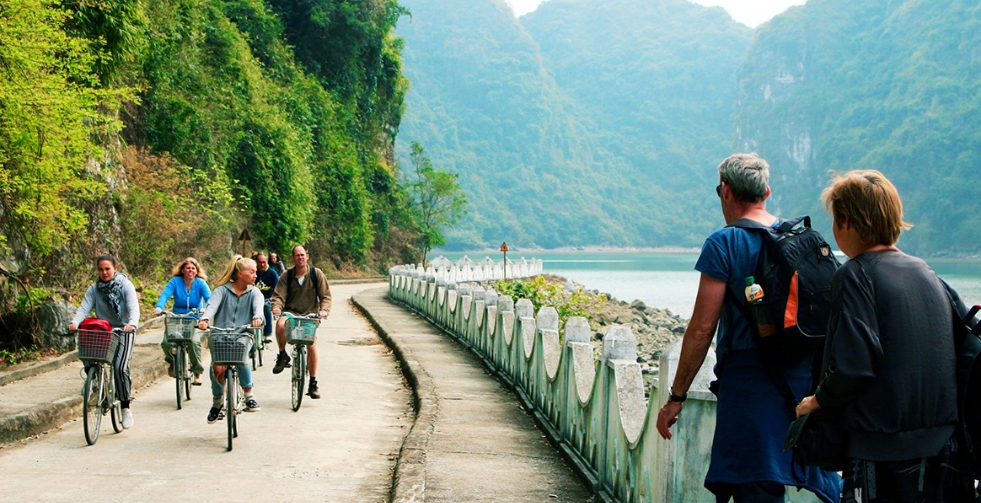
point(184, 300)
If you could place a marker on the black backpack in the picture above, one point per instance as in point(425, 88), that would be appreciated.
point(967, 344)
point(795, 269)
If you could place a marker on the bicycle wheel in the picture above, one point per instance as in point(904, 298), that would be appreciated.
point(179, 370)
point(261, 346)
point(299, 374)
point(111, 404)
point(92, 404)
point(116, 412)
point(230, 401)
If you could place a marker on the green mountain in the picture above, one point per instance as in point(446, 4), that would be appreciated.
point(549, 160)
point(625, 108)
point(887, 85)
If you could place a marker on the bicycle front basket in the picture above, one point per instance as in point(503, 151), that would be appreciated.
point(303, 332)
point(179, 328)
point(97, 346)
point(229, 349)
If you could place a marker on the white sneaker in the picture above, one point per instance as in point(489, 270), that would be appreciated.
point(127, 419)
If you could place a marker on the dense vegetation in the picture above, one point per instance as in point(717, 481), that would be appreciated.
point(158, 129)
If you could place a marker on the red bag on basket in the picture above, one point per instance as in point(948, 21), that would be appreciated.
point(95, 324)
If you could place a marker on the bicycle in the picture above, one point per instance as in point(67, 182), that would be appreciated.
point(179, 330)
point(97, 348)
point(301, 333)
point(230, 348)
point(259, 344)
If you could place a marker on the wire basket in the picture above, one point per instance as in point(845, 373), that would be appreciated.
point(97, 346)
point(180, 328)
point(229, 349)
point(303, 331)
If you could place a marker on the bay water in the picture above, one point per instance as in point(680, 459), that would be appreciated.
point(668, 280)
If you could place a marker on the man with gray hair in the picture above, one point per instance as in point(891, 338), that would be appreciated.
point(747, 463)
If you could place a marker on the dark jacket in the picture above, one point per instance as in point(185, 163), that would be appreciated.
point(889, 358)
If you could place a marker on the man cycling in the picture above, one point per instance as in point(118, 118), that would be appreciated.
point(302, 290)
point(266, 281)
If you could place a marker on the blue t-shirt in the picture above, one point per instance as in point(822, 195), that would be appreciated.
point(751, 416)
point(184, 299)
point(730, 254)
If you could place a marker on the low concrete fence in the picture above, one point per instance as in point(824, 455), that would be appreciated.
point(593, 407)
point(466, 269)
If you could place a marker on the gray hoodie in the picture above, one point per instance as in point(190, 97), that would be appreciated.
point(228, 310)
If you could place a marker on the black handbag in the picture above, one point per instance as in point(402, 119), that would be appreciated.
point(817, 439)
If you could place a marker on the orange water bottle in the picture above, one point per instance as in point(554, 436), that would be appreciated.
point(754, 295)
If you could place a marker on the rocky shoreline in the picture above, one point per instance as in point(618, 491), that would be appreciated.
point(656, 329)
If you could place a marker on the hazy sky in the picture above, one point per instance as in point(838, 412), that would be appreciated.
point(748, 12)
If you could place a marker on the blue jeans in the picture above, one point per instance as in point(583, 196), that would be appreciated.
point(267, 314)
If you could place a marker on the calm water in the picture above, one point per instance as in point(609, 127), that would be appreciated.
point(668, 280)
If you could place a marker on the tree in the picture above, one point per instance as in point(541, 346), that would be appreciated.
point(437, 199)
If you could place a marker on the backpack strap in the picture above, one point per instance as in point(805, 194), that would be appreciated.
point(769, 360)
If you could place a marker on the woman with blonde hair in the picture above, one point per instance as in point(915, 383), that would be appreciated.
point(236, 302)
point(889, 362)
point(190, 291)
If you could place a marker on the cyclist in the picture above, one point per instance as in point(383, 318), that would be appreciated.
point(266, 281)
point(276, 264)
point(303, 290)
point(190, 291)
point(234, 303)
point(114, 299)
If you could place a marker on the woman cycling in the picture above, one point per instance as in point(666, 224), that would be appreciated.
point(236, 302)
point(113, 298)
point(190, 291)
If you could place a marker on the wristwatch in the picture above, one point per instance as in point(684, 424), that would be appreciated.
point(676, 398)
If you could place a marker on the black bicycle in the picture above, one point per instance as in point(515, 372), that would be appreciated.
point(97, 348)
point(179, 331)
point(302, 332)
point(230, 348)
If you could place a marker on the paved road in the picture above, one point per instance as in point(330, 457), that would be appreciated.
point(340, 448)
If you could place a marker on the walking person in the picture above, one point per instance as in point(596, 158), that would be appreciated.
point(276, 264)
point(747, 461)
point(889, 361)
point(236, 302)
point(303, 290)
point(113, 298)
point(189, 289)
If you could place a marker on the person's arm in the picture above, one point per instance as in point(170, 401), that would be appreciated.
point(854, 346)
point(212, 308)
point(205, 292)
point(325, 300)
point(694, 346)
point(83, 311)
point(132, 305)
point(165, 295)
point(278, 299)
point(258, 303)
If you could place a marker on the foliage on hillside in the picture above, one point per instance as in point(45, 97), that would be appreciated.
point(885, 85)
point(565, 127)
point(159, 129)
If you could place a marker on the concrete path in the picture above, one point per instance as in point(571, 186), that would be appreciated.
point(472, 441)
point(467, 441)
point(341, 448)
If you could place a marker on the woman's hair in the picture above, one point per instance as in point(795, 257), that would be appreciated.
point(110, 258)
point(869, 203)
point(748, 175)
point(238, 263)
point(179, 268)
